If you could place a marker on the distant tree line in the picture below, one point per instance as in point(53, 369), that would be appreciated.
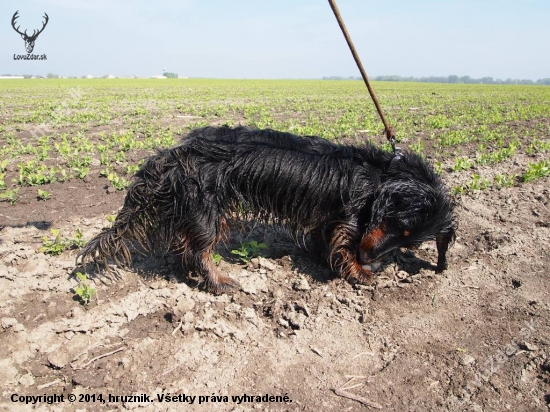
point(170, 75)
point(448, 79)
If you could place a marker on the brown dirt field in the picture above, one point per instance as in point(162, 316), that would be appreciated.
point(476, 337)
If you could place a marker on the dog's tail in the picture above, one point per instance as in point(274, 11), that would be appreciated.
point(139, 225)
point(109, 244)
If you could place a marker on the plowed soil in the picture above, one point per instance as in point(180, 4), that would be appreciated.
point(476, 337)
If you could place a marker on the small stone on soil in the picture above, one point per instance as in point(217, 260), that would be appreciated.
point(267, 264)
point(302, 285)
point(255, 263)
point(297, 320)
point(58, 358)
point(467, 359)
point(26, 380)
point(529, 346)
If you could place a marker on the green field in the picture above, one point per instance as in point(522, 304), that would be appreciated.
point(472, 338)
point(58, 130)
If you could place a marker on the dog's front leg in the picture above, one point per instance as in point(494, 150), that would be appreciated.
point(343, 242)
point(442, 241)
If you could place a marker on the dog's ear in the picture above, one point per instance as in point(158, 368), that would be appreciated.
point(405, 202)
point(387, 204)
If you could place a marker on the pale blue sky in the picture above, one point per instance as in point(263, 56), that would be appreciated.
point(281, 38)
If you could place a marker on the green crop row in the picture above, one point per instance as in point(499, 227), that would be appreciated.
point(58, 130)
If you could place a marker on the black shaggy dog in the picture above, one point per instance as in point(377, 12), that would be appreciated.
point(361, 202)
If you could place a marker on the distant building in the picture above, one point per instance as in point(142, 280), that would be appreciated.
point(159, 77)
point(11, 77)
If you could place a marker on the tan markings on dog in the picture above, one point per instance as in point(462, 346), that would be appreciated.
point(224, 231)
point(340, 244)
point(343, 256)
point(406, 233)
point(369, 241)
point(358, 274)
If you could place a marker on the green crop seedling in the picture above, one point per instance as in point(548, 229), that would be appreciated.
point(216, 258)
point(83, 290)
point(462, 163)
point(118, 182)
point(43, 194)
point(537, 171)
point(10, 196)
point(249, 250)
point(58, 244)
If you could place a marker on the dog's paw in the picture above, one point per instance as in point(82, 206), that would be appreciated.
point(441, 265)
point(223, 284)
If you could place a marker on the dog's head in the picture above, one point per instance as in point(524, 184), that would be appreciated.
point(412, 205)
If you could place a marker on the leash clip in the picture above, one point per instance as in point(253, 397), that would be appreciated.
point(395, 149)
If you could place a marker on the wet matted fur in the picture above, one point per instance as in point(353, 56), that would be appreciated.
point(358, 202)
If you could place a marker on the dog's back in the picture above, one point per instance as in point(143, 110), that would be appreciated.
point(242, 135)
point(295, 180)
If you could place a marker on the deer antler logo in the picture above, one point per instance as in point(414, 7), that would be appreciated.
point(29, 40)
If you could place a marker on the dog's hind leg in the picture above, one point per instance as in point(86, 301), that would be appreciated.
point(200, 240)
point(215, 281)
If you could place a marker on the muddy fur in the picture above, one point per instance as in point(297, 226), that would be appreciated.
point(359, 203)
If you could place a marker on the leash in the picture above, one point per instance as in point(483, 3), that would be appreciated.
point(388, 129)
